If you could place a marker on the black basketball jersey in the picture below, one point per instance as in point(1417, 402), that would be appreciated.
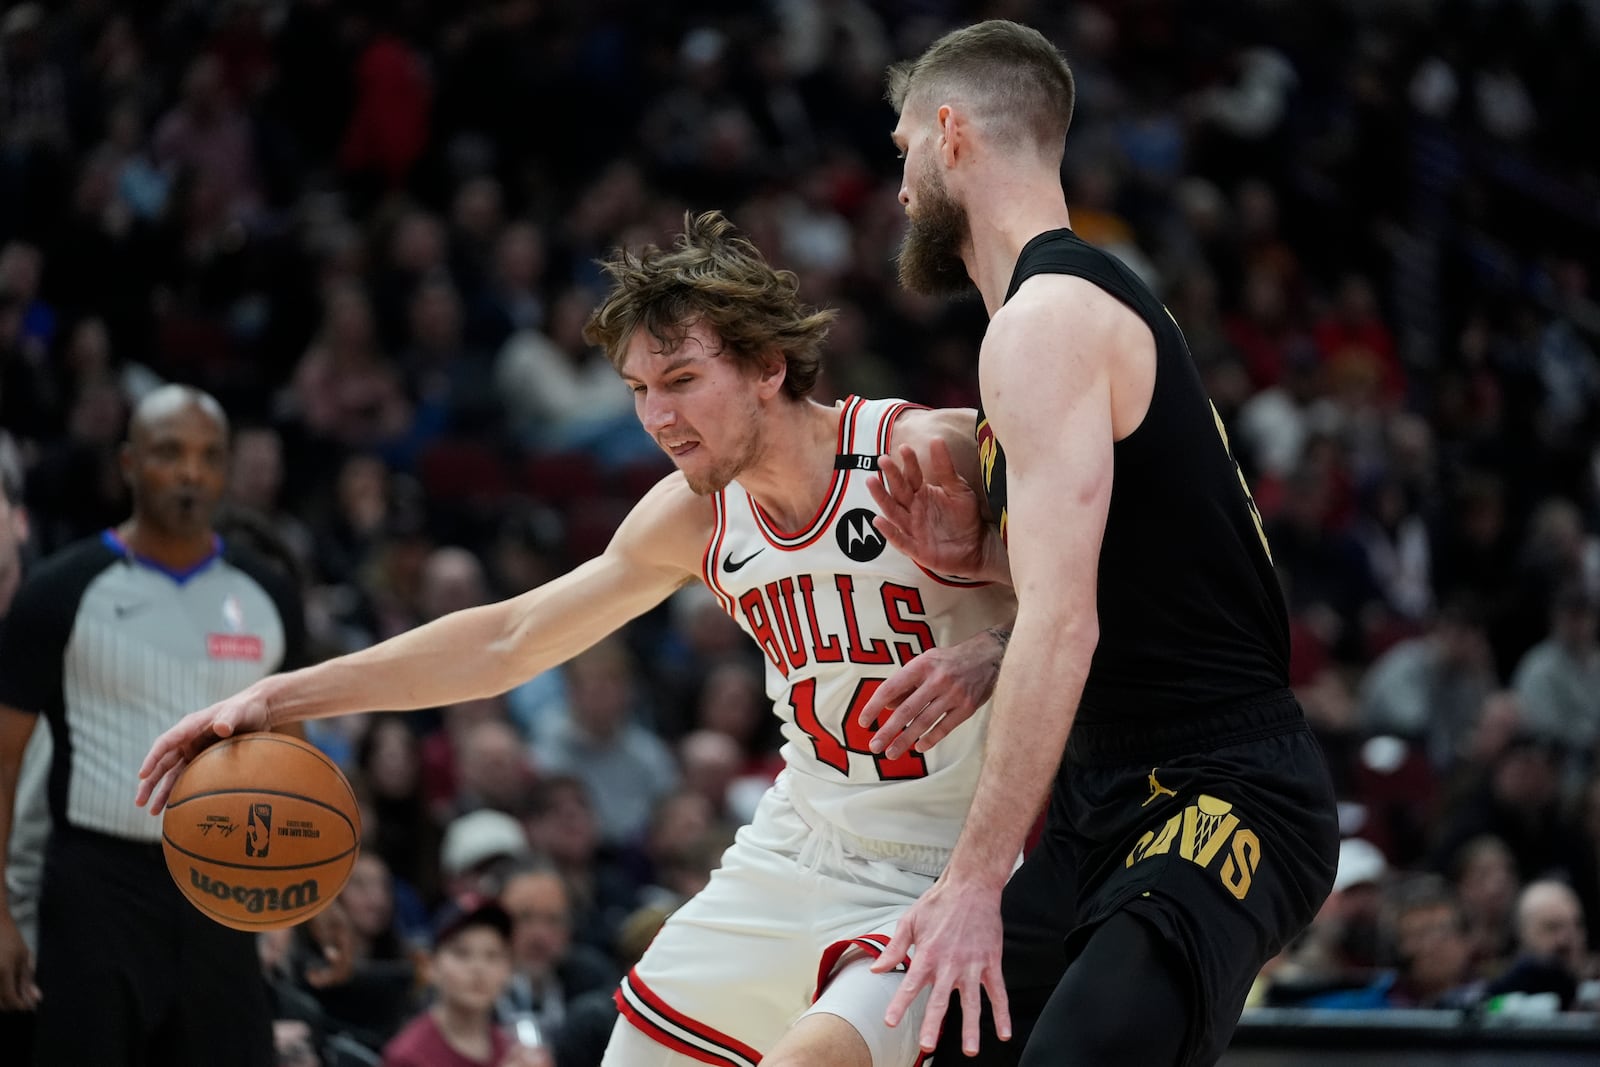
point(1191, 616)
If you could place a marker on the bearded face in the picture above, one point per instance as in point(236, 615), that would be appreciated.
point(930, 255)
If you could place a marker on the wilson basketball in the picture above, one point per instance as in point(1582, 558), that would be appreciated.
point(261, 831)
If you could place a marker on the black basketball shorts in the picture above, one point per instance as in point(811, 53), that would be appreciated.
point(1225, 845)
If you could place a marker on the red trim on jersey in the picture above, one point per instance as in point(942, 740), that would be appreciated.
point(663, 1037)
point(886, 427)
point(791, 542)
point(708, 564)
point(737, 1052)
point(871, 944)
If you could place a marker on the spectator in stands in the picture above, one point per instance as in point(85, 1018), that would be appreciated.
point(1394, 539)
point(1428, 688)
point(469, 969)
point(511, 300)
point(35, 127)
point(1519, 802)
point(1558, 680)
point(1556, 555)
point(474, 844)
point(562, 394)
point(549, 970)
point(711, 762)
point(396, 823)
point(1552, 945)
point(256, 484)
point(1433, 954)
point(1342, 947)
point(208, 138)
point(442, 748)
point(602, 742)
point(493, 769)
point(377, 997)
point(563, 827)
point(345, 389)
point(1485, 877)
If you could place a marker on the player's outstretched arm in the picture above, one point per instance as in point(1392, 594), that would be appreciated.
point(1057, 430)
point(930, 504)
point(469, 654)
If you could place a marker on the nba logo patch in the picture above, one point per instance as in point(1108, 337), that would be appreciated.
point(258, 831)
point(232, 614)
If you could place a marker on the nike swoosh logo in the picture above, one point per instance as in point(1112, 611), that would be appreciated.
point(124, 610)
point(730, 566)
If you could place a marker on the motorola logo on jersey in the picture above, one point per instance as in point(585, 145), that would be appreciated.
point(858, 538)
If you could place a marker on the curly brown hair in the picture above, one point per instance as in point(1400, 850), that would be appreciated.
point(711, 275)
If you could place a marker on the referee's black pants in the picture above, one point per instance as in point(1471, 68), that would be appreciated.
point(132, 974)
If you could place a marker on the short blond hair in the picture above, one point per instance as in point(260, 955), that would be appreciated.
point(1013, 73)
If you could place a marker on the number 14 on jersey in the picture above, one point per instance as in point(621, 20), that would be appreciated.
point(835, 750)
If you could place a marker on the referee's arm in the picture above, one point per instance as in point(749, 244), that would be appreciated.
point(31, 644)
point(17, 989)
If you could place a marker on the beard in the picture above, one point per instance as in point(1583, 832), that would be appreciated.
point(743, 455)
point(930, 255)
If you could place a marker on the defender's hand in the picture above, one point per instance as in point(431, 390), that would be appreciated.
point(933, 517)
point(933, 694)
point(956, 930)
point(172, 751)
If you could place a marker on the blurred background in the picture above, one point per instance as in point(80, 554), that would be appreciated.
point(369, 228)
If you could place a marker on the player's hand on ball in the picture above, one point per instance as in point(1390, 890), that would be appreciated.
point(173, 750)
point(933, 516)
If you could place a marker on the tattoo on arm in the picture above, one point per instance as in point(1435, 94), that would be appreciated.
point(1001, 635)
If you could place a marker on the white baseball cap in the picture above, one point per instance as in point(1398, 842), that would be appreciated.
point(477, 837)
point(1360, 863)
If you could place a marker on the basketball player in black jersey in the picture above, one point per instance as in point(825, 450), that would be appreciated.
point(1191, 829)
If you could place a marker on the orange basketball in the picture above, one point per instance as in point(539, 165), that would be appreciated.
point(261, 831)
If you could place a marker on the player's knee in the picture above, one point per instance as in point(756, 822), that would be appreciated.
point(820, 1038)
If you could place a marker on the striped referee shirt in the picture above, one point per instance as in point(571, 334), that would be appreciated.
point(112, 649)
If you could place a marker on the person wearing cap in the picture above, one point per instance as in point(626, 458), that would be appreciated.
point(469, 969)
point(1340, 950)
point(473, 843)
point(1433, 955)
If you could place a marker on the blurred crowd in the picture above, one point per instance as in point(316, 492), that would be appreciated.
point(369, 227)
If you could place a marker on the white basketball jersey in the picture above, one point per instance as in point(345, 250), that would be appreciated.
point(837, 610)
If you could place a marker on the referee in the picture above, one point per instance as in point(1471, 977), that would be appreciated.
point(111, 641)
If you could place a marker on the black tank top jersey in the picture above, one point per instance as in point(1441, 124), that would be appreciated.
point(1191, 616)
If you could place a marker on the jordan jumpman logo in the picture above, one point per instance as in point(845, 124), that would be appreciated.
point(1156, 789)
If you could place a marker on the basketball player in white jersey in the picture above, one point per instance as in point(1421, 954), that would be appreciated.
point(770, 508)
